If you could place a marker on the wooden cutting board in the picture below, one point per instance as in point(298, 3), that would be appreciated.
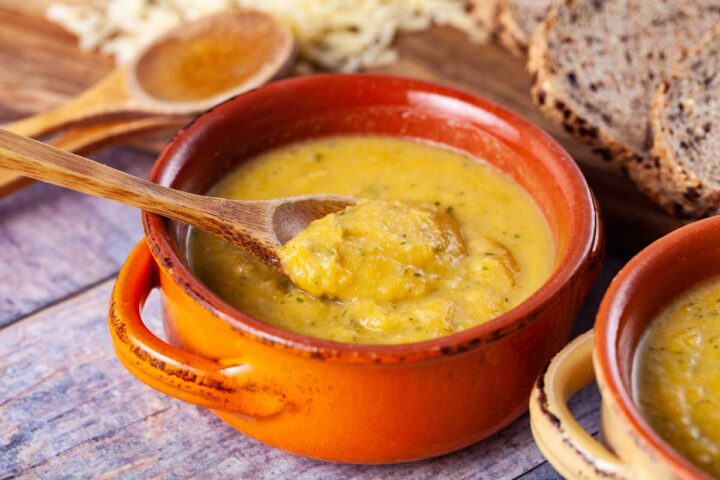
point(40, 66)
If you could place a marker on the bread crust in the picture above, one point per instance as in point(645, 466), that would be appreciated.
point(514, 33)
point(487, 12)
point(562, 109)
point(510, 34)
point(679, 191)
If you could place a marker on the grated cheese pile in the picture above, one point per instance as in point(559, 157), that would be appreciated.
point(342, 35)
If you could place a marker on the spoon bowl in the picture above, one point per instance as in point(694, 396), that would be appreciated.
point(192, 68)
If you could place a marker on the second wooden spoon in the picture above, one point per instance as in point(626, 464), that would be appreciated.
point(258, 227)
point(187, 70)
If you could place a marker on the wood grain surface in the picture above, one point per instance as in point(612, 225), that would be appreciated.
point(42, 65)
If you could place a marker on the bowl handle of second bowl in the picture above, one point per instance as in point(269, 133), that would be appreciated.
point(563, 441)
point(174, 371)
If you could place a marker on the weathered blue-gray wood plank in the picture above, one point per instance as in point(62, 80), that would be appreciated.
point(543, 471)
point(54, 242)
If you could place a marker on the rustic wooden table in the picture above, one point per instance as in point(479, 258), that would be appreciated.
point(68, 409)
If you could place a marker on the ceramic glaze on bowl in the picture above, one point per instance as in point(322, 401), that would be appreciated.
point(337, 401)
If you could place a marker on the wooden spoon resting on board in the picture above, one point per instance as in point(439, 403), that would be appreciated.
point(258, 227)
point(188, 70)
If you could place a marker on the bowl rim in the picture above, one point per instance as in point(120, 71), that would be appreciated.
point(607, 327)
point(587, 236)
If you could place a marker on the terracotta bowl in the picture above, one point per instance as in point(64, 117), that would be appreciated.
point(646, 285)
point(335, 401)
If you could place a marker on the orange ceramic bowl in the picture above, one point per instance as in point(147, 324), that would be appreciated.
point(343, 402)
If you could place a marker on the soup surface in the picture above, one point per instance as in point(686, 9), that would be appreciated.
point(677, 375)
point(438, 243)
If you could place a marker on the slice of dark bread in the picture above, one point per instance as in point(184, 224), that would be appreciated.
point(596, 64)
point(518, 19)
point(686, 134)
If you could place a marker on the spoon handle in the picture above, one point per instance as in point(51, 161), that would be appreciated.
point(84, 140)
point(243, 223)
point(109, 97)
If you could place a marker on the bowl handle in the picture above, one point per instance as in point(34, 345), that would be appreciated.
point(173, 371)
point(566, 445)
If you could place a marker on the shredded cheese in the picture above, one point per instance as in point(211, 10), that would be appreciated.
point(341, 35)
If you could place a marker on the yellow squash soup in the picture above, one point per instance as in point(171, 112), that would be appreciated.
point(438, 242)
point(677, 375)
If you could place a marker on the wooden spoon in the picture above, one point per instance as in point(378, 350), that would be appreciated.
point(90, 138)
point(189, 69)
point(258, 227)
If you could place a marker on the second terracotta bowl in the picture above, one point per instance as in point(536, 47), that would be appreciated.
point(642, 288)
point(335, 401)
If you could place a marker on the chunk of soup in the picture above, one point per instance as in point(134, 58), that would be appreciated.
point(438, 243)
point(677, 375)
